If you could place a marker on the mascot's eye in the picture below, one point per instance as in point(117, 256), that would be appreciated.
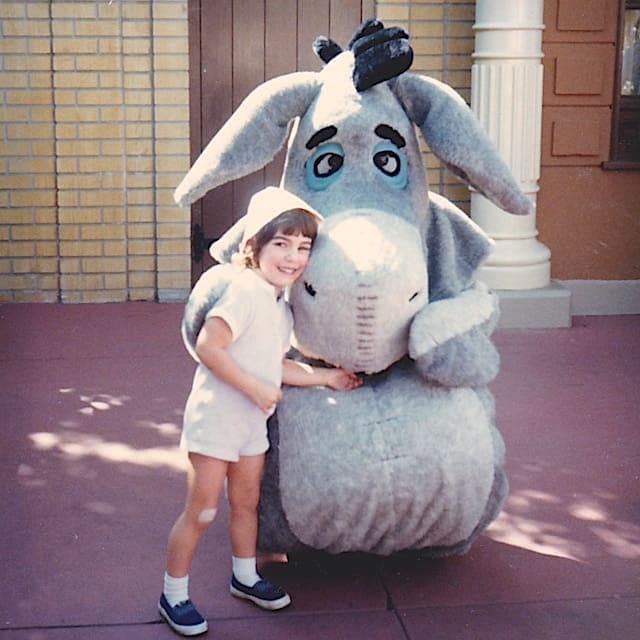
point(414, 296)
point(391, 162)
point(324, 166)
point(309, 289)
point(388, 162)
point(327, 164)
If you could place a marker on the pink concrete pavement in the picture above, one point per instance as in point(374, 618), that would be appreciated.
point(91, 398)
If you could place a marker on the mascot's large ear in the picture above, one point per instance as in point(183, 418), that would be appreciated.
point(454, 134)
point(456, 246)
point(252, 136)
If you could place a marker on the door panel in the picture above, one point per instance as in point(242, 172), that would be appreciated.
point(235, 45)
point(579, 74)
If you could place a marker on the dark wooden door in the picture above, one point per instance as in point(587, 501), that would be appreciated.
point(235, 45)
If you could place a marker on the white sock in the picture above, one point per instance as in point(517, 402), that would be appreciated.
point(245, 571)
point(175, 590)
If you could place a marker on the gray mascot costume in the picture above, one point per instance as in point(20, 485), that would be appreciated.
point(412, 459)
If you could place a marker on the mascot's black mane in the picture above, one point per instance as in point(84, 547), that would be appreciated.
point(380, 53)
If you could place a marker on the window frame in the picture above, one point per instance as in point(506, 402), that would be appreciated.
point(620, 102)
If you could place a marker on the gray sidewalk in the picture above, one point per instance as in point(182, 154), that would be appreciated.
point(91, 399)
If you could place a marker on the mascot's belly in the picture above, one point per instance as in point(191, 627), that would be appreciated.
point(396, 464)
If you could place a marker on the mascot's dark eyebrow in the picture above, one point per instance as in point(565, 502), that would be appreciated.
point(389, 133)
point(320, 136)
point(382, 130)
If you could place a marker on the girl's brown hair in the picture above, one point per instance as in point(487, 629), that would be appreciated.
point(289, 223)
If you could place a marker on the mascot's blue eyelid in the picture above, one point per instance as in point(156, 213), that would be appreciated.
point(391, 163)
point(324, 166)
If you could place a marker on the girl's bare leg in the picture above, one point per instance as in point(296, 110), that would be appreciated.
point(205, 481)
point(244, 493)
point(244, 479)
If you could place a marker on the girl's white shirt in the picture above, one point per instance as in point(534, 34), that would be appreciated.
point(261, 326)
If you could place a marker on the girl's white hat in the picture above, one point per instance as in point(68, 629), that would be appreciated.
point(264, 206)
point(268, 204)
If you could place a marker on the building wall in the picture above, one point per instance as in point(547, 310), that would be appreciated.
point(95, 137)
point(588, 214)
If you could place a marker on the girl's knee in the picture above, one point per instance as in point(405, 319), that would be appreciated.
point(198, 519)
point(207, 516)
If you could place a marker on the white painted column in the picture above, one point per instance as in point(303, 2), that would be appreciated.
point(506, 96)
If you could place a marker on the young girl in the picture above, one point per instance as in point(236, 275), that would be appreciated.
point(236, 386)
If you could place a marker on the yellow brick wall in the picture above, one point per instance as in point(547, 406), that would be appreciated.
point(95, 138)
point(443, 41)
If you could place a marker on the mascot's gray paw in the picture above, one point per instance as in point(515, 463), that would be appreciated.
point(467, 360)
point(203, 297)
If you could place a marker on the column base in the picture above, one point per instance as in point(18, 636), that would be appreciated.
point(520, 264)
point(545, 308)
point(516, 278)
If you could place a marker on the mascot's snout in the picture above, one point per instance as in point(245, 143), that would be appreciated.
point(366, 274)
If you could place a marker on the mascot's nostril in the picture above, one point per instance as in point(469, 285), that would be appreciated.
point(309, 289)
point(414, 296)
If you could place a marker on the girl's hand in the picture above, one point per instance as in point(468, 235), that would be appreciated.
point(265, 395)
point(342, 379)
point(300, 374)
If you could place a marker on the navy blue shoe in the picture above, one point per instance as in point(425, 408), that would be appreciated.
point(263, 593)
point(183, 618)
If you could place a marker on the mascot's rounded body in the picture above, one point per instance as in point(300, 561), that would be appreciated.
point(412, 459)
point(381, 489)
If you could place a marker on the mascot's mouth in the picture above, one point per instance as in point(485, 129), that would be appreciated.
point(309, 288)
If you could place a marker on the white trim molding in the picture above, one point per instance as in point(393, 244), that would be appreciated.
point(603, 297)
point(555, 305)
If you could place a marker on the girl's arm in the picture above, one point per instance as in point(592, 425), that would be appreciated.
point(298, 374)
point(211, 344)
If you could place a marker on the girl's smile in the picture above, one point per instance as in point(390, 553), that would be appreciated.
point(283, 259)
